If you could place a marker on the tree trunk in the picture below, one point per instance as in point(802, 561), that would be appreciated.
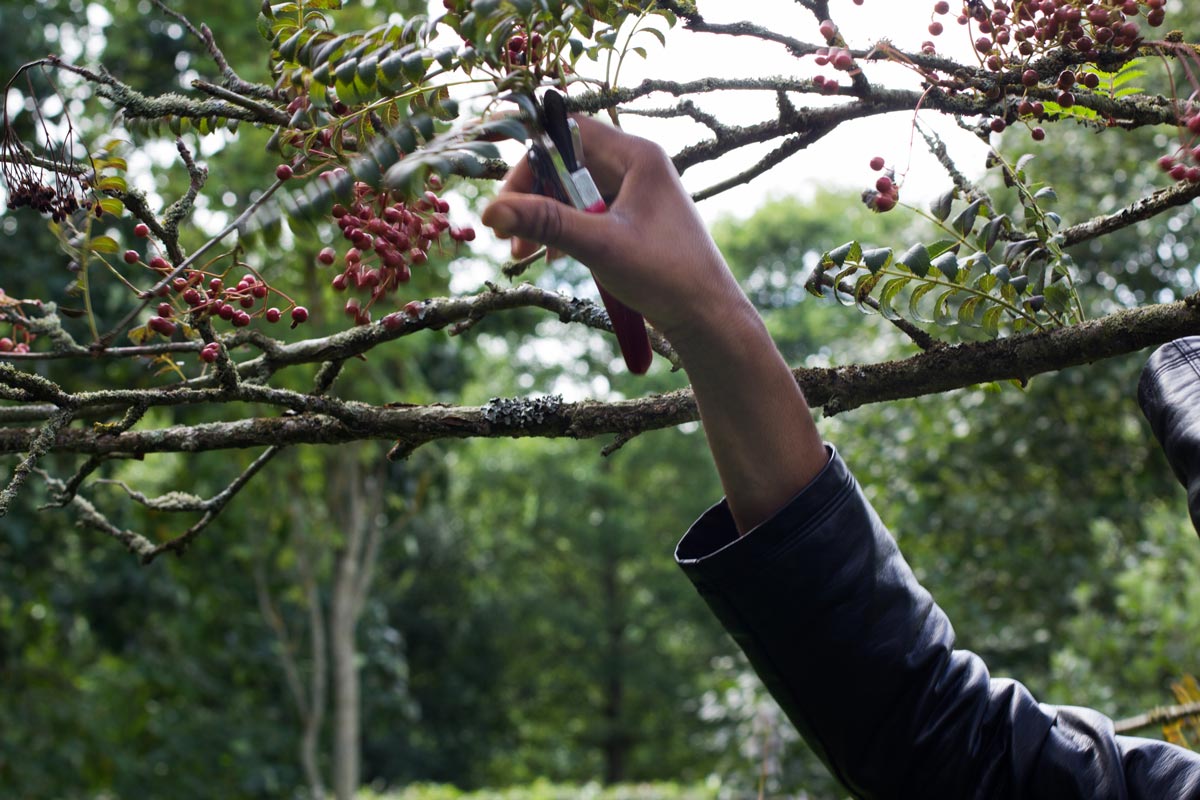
point(616, 740)
point(359, 495)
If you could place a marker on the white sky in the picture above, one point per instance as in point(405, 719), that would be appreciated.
point(838, 159)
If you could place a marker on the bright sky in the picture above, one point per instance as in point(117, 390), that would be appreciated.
point(838, 159)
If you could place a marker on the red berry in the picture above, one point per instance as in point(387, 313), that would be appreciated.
point(327, 256)
point(941, 7)
point(884, 185)
point(1193, 125)
point(226, 312)
point(877, 163)
point(1029, 77)
point(883, 203)
point(1038, 134)
point(131, 257)
point(165, 309)
point(241, 319)
point(997, 125)
point(160, 264)
point(141, 230)
point(1178, 172)
point(843, 60)
point(828, 29)
point(283, 172)
point(207, 355)
point(274, 315)
point(1165, 163)
point(299, 314)
point(935, 28)
point(191, 297)
point(164, 326)
point(6, 345)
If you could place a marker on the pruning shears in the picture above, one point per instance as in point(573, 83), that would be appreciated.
point(556, 156)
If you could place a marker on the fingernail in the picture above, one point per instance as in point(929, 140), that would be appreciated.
point(501, 219)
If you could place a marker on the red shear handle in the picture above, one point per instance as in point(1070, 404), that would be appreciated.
point(628, 325)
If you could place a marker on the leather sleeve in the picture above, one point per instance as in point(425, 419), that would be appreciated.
point(863, 662)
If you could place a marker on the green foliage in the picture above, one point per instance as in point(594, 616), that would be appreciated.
point(544, 790)
point(1014, 277)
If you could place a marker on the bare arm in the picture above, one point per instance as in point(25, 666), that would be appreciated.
point(654, 253)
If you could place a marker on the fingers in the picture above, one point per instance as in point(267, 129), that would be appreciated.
point(533, 219)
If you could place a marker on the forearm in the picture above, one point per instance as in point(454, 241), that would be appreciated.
point(761, 433)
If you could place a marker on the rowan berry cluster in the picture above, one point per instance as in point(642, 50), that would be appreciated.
point(886, 193)
point(47, 200)
point(1184, 164)
point(835, 56)
point(1008, 34)
point(1011, 33)
point(388, 237)
point(19, 341)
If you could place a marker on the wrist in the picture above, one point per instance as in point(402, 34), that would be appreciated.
point(729, 327)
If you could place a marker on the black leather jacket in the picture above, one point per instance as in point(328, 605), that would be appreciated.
point(863, 661)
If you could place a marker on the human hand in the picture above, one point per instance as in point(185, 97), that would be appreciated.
point(650, 249)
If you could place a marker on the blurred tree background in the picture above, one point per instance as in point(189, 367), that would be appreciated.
point(490, 613)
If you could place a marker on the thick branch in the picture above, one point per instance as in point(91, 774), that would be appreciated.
point(835, 390)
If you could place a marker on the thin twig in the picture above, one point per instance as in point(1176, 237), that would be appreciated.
point(214, 506)
point(41, 444)
point(89, 517)
point(1157, 716)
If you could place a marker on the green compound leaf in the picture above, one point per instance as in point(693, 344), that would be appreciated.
point(877, 258)
point(917, 259)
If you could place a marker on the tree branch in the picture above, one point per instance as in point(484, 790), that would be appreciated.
point(834, 390)
point(1157, 716)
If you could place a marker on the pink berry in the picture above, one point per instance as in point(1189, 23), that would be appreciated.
point(6, 345)
point(935, 28)
point(160, 264)
point(141, 230)
point(208, 356)
point(883, 203)
point(828, 29)
point(877, 163)
point(131, 257)
point(164, 326)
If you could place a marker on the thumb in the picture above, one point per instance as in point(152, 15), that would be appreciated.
point(547, 221)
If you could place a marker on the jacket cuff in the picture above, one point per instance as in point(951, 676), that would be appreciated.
point(712, 548)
